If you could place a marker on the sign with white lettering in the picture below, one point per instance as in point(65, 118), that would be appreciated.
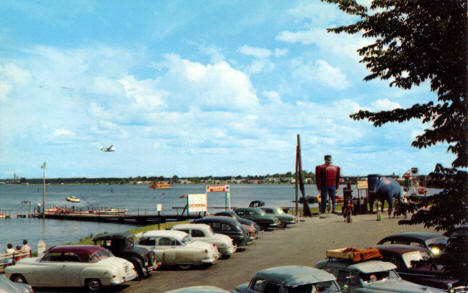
point(197, 203)
point(217, 188)
point(159, 207)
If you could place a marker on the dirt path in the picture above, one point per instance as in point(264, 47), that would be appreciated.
point(302, 244)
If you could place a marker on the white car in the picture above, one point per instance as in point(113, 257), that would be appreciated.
point(90, 266)
point(178, 248)
point(7, 286)
point(203, 232)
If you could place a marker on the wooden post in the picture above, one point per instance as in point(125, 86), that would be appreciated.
point(44, 191)
point(305, 205)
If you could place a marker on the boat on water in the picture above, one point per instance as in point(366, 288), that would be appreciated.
point(73, 198)
point(160, 185)
point(113, 211)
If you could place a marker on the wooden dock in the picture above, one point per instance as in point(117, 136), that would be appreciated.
point(132, 219)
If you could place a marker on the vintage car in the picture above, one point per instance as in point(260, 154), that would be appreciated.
point(177, 248)
point(370, 276)
point(7, 286)
point(433, 241)
point(258, 216)
point(285, 219)
point(204, 233)
point(227, 226)
point(416, 265)
point(198, 289)
point(290, 279)
point(249, 225)
point(122, 245)
point(90, 266)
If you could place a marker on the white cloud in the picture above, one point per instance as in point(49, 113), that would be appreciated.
point(142, 92)
point(255, 52)
point(5, 89)
point(321, 72)
point(62, 132)
point(385, 105)
point(12, 76)
point(329, 43)
point(213, 85)
point(262, 65)
point(281, 52)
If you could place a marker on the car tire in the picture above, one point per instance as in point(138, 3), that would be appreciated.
point(93, 285)
point(184, 266)
point(18, 279)
point(139, 266)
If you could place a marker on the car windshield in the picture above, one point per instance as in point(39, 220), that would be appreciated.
point(187, 239)
point(414, 256)
point(329, 286)
point(100, 255)
point(261, 212)
point(378, 276)
point(279, 211)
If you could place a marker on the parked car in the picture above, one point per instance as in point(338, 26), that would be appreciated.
point(7, 286)
point(433, 241)
point(290, 279)
point(90, 266)
point(370, 276)
point(284, 218)
point(177, 248)
point(415, 264)
point(122, 245)
point(227, 226)
point(258, 216)
point(198, 289)
point(204, 233)
point(249, 225)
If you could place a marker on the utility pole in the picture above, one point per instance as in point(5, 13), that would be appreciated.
point(43, 166)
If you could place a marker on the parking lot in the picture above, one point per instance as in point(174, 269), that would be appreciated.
point(302, 244)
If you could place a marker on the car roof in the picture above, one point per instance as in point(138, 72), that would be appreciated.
point(422, 236)
point(294, 275)
point(219, 219)
point(179, 235)
point(372, 266)
point(121, 235)
point(82, 250)
point(226, 212)
point(191, 226)
point(198, 289)
point(399, 248)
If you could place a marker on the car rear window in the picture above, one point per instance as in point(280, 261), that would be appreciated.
point(99, 255)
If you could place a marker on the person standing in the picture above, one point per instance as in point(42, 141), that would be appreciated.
point(26, 248)
point(327, 178)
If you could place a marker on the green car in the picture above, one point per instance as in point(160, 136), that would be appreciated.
point(284, 218)
point(258, 216)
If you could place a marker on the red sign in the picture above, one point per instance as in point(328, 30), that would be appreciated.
point(217, 188)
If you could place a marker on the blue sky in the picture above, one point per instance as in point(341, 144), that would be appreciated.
point(192, 88)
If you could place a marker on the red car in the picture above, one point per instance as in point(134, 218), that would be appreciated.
point(409, 266)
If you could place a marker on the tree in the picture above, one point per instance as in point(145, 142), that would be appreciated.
point(415, 41)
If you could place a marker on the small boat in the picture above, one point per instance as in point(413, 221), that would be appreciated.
point(73, 198)
point(160, 185)
point(113, 211)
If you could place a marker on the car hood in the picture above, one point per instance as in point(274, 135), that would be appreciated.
point(200, 245)
point(401, 286)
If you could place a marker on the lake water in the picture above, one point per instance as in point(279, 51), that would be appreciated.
point(135, 198)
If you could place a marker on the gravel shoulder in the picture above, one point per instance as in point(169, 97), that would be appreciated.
point(302, 244)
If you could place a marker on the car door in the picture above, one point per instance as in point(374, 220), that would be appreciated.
point(72, 268)
point(167, 250)
point(50, 271)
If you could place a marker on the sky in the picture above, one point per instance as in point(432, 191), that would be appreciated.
point(193, 88)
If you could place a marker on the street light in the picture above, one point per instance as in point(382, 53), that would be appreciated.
point(43, 166)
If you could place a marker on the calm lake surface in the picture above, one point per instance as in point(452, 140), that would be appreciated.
point(135, 198)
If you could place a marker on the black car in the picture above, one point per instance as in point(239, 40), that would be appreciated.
point(227, 226)
point(434, 242)
point(122, 245)
point(230, 213)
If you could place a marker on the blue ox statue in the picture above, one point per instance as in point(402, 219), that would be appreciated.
point(383, 189)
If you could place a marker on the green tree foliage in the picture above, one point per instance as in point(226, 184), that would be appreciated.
point(414, 41)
